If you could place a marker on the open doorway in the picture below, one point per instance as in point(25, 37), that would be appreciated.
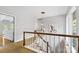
point(6, 29)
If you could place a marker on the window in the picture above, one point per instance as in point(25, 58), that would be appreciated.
point(74, 27)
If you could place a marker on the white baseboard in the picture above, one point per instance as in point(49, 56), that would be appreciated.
point(18, 40)
point(21, 39)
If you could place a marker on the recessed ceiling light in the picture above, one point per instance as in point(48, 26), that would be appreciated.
point(42, 12)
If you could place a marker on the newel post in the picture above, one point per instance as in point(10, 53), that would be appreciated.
point(78, 44)
point(23, 38)
point(47, 46)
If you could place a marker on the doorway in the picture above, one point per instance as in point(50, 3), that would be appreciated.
point(7, 27)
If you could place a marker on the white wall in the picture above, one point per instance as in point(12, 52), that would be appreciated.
point(58, 22)
point(69, 19)
point(23, 20)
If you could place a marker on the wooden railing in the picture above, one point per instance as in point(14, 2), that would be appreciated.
point(51, 34)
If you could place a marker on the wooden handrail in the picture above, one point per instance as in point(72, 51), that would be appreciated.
point(64, 35)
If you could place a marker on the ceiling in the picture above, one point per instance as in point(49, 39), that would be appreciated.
point(35, 11)
point(49, 11)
